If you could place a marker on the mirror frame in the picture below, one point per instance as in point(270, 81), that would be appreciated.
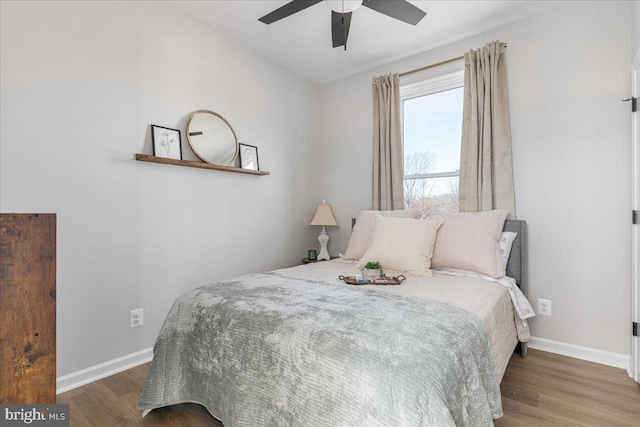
point(232, 162)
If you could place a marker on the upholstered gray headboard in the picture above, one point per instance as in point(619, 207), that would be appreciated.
point(517, 264)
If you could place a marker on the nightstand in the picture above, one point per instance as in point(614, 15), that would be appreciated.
point(310, 261)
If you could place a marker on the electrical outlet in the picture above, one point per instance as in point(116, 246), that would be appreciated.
point(544, 307)
point(136, 318)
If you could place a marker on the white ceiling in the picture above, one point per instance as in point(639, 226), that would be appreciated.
point(302, 42)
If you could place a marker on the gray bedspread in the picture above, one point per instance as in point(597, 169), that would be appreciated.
point(270, 350)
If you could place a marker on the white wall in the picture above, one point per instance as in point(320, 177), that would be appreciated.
point(568, 71)
point(81, 82)
point(635, 28)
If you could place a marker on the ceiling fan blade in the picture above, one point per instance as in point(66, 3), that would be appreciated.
point(398, 9)
point(340, 23)
point(287, 10)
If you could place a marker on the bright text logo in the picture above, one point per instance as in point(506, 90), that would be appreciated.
point(36, 415)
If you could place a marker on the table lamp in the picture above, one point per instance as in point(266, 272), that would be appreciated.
point(324, 217)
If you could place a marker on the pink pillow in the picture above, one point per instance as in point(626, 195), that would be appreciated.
point(471, 241)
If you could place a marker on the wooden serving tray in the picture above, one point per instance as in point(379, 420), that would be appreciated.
point(351, 280)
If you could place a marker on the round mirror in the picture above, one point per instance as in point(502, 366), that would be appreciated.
point(212, 138)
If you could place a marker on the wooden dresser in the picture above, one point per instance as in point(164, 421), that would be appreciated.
point(28, 308)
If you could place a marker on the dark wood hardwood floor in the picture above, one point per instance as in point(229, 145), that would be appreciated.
point(543, 389)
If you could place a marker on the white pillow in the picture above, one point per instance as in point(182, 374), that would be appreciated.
point(402, 245)
point(364, 224)
point(470, 241)
point(506, 241)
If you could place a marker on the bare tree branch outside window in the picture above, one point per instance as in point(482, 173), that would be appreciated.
point(417, 189)
point(428, 194)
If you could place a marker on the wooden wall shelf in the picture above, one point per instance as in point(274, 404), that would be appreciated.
point(196, 164)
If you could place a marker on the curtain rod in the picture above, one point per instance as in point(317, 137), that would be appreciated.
point(417, 70)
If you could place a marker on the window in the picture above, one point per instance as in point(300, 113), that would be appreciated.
point(432, 125)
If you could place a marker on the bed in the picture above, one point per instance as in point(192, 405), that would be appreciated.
point(298, 347)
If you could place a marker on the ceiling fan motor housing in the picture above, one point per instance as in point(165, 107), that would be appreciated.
point(343, 6)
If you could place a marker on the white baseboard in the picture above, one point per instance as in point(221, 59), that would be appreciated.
point(112, 367)
point(585, 353)
point(103, 370)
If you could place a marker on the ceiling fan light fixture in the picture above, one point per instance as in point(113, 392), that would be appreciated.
point(343, 6)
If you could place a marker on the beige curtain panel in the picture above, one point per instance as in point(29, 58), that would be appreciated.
point(486, 171)
point(387, 144)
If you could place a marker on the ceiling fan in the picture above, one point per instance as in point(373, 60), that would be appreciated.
point(341, 13)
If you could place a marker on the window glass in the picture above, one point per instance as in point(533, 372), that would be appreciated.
point(432, 123)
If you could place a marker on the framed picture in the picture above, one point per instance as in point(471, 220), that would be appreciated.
point(249, 157)
point(166, 142)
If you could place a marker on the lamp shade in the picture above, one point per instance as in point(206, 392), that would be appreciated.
point(324, 215)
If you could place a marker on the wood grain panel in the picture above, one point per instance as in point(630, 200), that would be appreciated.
point(28, 308)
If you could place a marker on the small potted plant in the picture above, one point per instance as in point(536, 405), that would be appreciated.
point(372, 270)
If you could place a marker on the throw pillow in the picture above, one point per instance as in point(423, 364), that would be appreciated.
point(364, 224)
point(402, 245)
point(470, 241)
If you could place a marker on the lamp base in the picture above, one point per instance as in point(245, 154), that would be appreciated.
point(323, 238)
